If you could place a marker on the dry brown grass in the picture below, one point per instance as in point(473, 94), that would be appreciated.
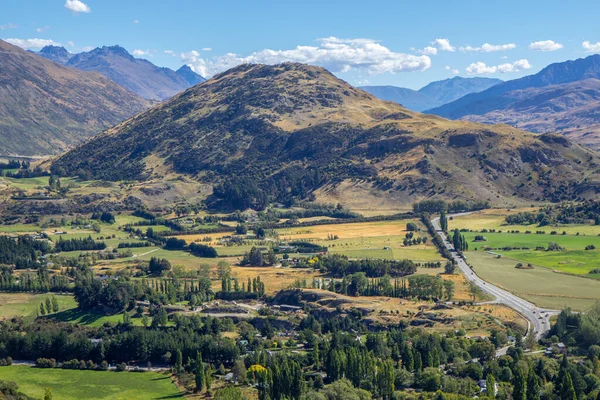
point(346, 231)
point(275, 279)
point(477, 321)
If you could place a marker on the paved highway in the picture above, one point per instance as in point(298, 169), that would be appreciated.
point(539, 318)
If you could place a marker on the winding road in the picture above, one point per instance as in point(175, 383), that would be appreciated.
point(538, 318)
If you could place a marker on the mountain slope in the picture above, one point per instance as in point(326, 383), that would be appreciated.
point(135, 74)
point(46, 107)
point(494, 98)
point(293, 130)
point(432, 95)
point(572, 109)
point(448, 90)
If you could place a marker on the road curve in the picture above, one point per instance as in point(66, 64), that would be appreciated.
point(538, 318)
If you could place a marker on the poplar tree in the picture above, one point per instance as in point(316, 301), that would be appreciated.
point(533, 386)
point(444, 221)
point(519, 384)
point(199, 378)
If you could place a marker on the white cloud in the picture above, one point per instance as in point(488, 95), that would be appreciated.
point(42, 29)
point(337, 55)
point(429, 51)
point(455, 71)
point(545, 45)
point(482, 68)
point(447, 68)
point(70, 43)
point(591, 47)
point(207, 49)
point(136, 21)
point(140, 53)
point(87, 48)
point(32, 43)
point(488, 48)
point(8, 26)
point(169, 52)
point(77, 6)
point(443, 45)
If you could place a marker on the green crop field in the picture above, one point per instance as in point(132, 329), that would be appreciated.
point(25, 304)
point(74, 384)
point(539, 285)
point(532, 240)
point(495, 219)
point(572, 262)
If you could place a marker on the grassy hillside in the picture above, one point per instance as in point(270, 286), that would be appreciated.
point(291, 130)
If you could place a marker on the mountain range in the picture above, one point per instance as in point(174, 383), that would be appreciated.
point(137, 75)
point(292, 130)
point(46, 107)
point(434, 94)
point(563, 97)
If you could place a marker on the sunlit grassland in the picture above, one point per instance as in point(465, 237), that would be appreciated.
point(540, 285)
point(80, 384)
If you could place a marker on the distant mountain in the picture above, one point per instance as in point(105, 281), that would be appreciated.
point(572, 109)
point(434, 94)
point(56, 53)
point(409, 98)
point(496, 97)
point(134, 74)
point(190, 76)
point(46, 107)
point(259, 133)
point(563, 97)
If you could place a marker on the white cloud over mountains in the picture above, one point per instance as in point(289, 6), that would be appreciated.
point(140, 53)
point(335, 54)
point(77, 6)
point(545, 45)
point(591, 47)
point(32, 43)
point(480, 68)
point(488, 48)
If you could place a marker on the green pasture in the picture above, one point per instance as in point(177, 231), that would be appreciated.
point(540, 285)
point(77, 384)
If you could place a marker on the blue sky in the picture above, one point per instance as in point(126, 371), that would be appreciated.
point(401, 43)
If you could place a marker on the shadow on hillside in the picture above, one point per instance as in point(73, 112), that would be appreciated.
point(80, 316)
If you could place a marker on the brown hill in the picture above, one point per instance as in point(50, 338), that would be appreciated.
point(261, 133)
point(46, 107)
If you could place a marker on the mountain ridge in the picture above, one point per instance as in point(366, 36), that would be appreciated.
point(46, 107)
point(433, 94)
point(137, 75)
point(291, 130)
point(555, 73)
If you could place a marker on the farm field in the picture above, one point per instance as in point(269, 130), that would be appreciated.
point(175, 257)
point(93, 319)
point(495, 219)
point(77, 384)
point(531, 240)
point(540, 285)
point(382, 240)
point(347, 231)
point(573, 262)
point(275, 279)
point(25, 304)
